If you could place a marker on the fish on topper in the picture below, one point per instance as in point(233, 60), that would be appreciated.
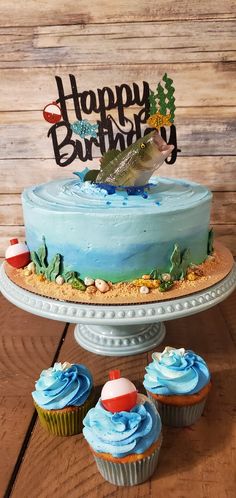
point(83, 128)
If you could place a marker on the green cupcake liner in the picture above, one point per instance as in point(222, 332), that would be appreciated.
point(65, 422)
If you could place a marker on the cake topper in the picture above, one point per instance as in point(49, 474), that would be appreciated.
point(110, 129)
point(52, 113)
point(83, 128)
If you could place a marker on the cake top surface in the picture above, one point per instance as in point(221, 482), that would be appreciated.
point(165, 194)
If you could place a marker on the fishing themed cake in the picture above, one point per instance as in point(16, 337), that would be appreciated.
point(120, 233)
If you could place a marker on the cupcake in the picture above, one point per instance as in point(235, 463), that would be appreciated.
point(123, 431)
point(63, 395)
point(178, 381)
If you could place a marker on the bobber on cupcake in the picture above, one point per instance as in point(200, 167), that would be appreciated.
point(124, 433)
point(17, 254)
point(118, 394)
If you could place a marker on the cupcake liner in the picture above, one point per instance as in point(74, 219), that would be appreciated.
point(129, 473)
point(67, 421)
point(179, 416)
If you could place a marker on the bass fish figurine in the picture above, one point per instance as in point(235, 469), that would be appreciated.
point(136, 164)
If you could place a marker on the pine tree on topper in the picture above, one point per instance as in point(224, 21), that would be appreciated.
point(118, 394)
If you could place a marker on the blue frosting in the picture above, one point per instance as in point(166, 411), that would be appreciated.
point(176, 371)
point(63, 385)
point(124, 433)
point(117, 237)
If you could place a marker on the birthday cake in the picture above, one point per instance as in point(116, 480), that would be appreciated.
point(118, 234)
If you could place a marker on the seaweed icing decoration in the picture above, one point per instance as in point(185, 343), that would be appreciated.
point(53, 269)
point(165, 286)
point(50, 270)
point(179, 262)
point(71, 277)
point(210, 244)
point(158, 275)
point(175, 260)
point(185, 262)
point(155, 274)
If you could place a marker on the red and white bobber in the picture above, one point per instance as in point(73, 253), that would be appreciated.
point(118, 394)
point(17, 254)
point(52, 113)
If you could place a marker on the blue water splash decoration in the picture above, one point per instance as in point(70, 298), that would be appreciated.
point(138, 190)
point(84, 129)
point(111, 189)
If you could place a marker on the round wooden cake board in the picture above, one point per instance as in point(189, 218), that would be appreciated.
point(214, 269)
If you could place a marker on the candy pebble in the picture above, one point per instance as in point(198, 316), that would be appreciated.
point(31, 267)
point(144, 290)
point(60, 280)
point(88, 281)
point(101, 285)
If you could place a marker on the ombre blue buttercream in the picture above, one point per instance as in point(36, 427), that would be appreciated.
point(176, 371)
point(63, 385)
point(124, 433)
point(117, 237)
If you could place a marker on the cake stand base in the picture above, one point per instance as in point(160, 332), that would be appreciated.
point(120, 340)
point(118, 330)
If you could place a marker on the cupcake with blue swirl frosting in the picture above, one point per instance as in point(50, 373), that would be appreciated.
point(63, 395)
point(125, 443)
point(178, 381)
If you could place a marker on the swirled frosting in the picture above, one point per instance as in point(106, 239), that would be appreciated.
point(63, 385)
point(176, 371)
point(124, 433)
point(66, 195)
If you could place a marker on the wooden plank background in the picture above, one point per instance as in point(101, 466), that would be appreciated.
point(107, 43)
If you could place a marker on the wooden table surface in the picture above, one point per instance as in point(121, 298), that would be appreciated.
point(195, 462)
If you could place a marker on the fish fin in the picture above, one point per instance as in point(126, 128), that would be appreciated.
point(108, 157)
point(91, 175)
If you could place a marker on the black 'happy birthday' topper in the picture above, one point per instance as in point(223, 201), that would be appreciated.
point(108, 132)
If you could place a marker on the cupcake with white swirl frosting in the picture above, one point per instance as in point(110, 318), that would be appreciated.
point(178, 381)
point(124, 433)
point(63, 395)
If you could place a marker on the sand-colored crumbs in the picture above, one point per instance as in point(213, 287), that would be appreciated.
point(214, 269)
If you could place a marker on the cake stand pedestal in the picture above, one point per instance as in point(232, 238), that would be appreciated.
point(118, 330)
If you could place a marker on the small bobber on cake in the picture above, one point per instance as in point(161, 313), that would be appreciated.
point(17, 254)
point(118, 394)
point(123, 431)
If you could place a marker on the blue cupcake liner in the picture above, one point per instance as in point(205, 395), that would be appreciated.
point(129, 473)
point(179, 416)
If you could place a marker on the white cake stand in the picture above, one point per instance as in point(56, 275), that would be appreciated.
point(118, 330)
